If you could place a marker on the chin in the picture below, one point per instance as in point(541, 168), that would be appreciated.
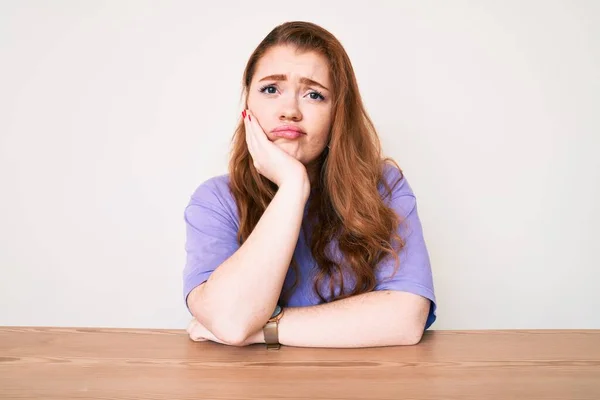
point(292, 150)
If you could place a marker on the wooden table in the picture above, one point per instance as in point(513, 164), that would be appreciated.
point(72, 363)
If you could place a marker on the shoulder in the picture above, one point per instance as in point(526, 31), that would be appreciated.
point(397, 183)
point(213, 189)
point(215, 194)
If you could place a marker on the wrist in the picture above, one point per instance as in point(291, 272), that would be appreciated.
point(299, 187)
point(257, 338)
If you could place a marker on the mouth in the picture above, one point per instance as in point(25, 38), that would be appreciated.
point(288, 132)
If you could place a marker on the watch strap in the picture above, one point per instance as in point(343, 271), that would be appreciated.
point(271, 330)
point(272, 335)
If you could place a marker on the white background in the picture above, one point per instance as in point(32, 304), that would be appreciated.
point(112, 113)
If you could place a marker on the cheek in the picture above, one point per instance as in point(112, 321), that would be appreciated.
point(254, 104)
point(318, 141)
point(258, 104)
point(324, 128)
point(321, 120)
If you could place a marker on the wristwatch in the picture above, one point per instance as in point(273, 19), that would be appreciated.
point(270, 329)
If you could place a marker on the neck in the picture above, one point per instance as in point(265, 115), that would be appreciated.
point(314, 170)
point(313, 174)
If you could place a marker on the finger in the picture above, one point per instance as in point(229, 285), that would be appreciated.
point(191, 325)
point(196, 332)
point(258, 131)
point(247, 130)
point(198, 338)
point(250, 138)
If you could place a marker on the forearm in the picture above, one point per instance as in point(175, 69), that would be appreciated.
point(381, 318)
point(241, 293)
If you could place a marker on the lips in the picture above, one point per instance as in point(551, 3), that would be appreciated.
point(288, 132)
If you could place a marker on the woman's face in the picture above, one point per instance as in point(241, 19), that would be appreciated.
point(293, 89)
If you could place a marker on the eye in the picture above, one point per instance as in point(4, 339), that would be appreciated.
point(316, 96)
point(267, 89)
point(271, 89)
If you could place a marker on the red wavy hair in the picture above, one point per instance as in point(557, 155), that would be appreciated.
point(345, 202)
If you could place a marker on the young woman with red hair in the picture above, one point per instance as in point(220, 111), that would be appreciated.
point(312, 238)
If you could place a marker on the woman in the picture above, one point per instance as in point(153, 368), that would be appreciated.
point(312, 239)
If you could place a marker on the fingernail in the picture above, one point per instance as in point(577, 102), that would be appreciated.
point(250, 119)
point(244, 114)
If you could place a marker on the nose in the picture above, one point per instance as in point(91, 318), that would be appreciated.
point(289, 110)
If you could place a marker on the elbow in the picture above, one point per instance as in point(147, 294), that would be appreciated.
point(414, 335)
point(225, 332)
point(230, 334)
point(416, 327)
point(219, 324)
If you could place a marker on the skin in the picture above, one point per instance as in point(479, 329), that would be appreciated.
point(379, 318)
point(307, 105)
point(288, 99)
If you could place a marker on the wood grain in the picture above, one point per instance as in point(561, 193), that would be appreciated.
point(77, 363)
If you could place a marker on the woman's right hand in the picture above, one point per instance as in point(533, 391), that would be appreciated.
point(269, 160)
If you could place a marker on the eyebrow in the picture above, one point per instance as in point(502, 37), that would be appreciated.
point(283, 77)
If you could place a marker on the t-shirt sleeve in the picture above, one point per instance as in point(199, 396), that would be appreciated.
point(414, 272)
point(211, 236)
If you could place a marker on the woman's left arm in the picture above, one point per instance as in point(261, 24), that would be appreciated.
point(379, 318)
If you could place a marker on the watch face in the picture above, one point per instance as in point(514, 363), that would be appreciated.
point(277, 311)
